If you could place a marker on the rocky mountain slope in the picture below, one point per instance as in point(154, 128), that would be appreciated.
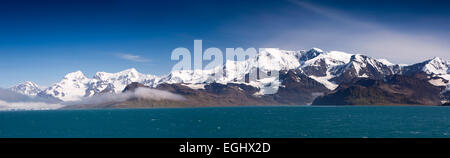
point(392, 90)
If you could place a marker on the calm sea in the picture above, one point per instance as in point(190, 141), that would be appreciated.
point(235, 122)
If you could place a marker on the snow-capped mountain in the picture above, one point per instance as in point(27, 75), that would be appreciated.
point(71, 88)
point(311, 54)
point(436, 68)
point(361, 66)
point(266, 60)
point(27, 88)
point(333, 68)
point(439, 68)
point(327, 68)
point(116, 82)
point(74, 86)
point(323, 67)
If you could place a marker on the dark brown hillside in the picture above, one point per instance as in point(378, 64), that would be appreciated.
point(393, 90)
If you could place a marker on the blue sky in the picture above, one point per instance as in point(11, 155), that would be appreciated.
point(43, 40)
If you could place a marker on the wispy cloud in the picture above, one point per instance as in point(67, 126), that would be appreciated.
point(363, 36)
point(332, 14)
point(132, 57)
point(143, 93)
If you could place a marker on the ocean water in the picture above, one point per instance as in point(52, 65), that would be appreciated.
point(231, 122)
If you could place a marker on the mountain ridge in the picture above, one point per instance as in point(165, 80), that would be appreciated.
point(27, 88)
point(330, 69)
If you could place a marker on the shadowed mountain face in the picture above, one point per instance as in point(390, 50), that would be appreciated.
point(297, 88)
point(393, 90)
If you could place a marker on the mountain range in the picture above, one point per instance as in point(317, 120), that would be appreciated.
point(303, 76)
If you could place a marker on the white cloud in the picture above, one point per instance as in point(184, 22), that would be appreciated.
point(15, 101)
point(144, 93)
point(4, 105)
point(132, 57)
point(10, 100)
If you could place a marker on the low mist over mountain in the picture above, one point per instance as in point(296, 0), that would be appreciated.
point(337, 77)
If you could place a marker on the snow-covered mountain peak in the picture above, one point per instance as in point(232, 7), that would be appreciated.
point(185, 76)
point(369, 60)
point(276, 59)
point(74, 86)
point(438, 59)
point(324, 66)
point(116, 82)
point(358, 58)
point(341, 56)
point(363, 60)
point(359, 61)
point(27, 88)
point(436, 66)
point(310, 54)
point(77, 75)
point(131, 73)
point(329, 59)
point(317, 50)
point(385, 62)
point(70, 88)
point(30, 83)
point(268, 59)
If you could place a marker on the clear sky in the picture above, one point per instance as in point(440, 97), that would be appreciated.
point(42, 40)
